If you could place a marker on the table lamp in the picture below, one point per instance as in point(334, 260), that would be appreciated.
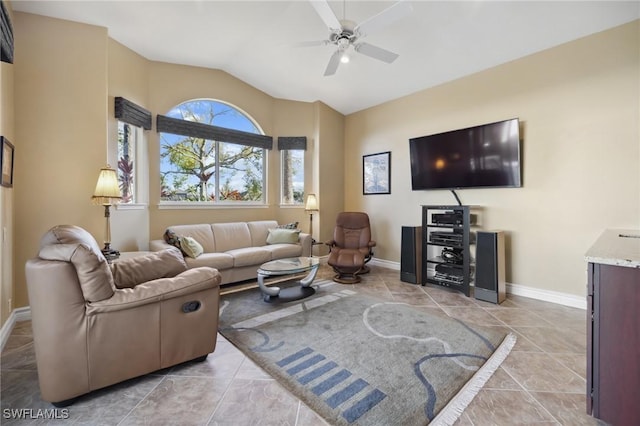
point(107, 192)
point(311, 206)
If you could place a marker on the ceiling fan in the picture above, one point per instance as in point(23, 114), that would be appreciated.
point(344, 33)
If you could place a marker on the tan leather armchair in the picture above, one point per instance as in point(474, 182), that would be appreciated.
point(96, 324)
point(351, 247)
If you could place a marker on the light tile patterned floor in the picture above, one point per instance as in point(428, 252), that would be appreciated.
point(542, 381)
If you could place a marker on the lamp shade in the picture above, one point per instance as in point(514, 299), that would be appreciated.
point(312, 203)
point(107, 189)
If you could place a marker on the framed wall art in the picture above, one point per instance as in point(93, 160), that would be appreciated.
point(6, 161)
point(376, 173)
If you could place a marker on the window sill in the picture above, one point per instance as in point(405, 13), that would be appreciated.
point(291, 206)
point(178, 205)
point(133, 206)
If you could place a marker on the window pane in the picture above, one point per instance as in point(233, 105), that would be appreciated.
point(187, 168)
point(126, 161)
point(194, 169)
point(241, 173)
point(292, 176)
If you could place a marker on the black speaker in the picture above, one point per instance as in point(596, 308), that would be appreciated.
point(411, 255)
point(490, 283)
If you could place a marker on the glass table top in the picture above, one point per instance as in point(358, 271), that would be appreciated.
point(290, 265)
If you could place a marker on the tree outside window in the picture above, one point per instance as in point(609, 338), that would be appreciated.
point(292, 176)
point(127, 142)
point(201, 170)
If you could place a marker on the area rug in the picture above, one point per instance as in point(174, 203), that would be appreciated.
point(356, 359)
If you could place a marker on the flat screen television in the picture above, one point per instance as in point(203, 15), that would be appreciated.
point(486, 156)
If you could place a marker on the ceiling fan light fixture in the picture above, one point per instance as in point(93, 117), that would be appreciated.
point(345, 33)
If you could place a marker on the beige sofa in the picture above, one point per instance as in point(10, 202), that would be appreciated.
point(237, 249)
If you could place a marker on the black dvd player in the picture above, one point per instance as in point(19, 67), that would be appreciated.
point(447, 218)
point(445, 238)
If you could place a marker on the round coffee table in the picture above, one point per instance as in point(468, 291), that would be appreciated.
point(288, 266)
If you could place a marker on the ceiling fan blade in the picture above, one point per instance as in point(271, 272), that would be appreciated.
point(384, 18)
point(332, 66)
point(376, 52)
point(311, 43)
point(326, 14)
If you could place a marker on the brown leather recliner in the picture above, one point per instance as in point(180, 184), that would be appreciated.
point(351, 247)
point(96, 324)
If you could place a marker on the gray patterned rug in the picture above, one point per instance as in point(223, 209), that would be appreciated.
point(359, 360)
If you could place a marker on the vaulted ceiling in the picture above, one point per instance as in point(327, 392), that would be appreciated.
point(438, 41)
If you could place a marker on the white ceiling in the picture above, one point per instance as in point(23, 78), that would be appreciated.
point(438, 42)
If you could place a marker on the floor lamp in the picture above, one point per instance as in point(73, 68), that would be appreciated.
point(311, 206)
point(107, 193)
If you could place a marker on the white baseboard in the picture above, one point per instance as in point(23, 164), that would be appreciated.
point(17, 315)
point(517, 289)
point(385, 263)
point(548, 296)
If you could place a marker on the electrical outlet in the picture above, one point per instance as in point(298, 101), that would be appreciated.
point(10, 303)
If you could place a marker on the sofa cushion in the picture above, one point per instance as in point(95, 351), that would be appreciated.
point(249, 256)
point(259, 230)
point(127, 273)
point(70, 243)
point(219, 261)
point(230, 236)
point(283, 236)
point(94, 274)
point(191, 247)
point(200, 232)
point(69, 234)
point(280, 251)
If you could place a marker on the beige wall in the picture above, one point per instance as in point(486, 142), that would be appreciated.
point(127, 73)
point(60, 85)
point(6, 194)
point(579, 108)
point(330, 172)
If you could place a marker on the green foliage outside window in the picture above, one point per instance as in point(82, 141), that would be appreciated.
point(196, 169)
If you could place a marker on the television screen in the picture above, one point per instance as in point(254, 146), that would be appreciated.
point(477, 157)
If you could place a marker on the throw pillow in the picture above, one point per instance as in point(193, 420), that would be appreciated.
point(191, 247)
point(171, 238)
point(292, 225)
point(283, 236)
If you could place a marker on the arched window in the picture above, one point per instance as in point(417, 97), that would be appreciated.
point(198, 169)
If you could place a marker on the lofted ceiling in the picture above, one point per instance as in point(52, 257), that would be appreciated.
point(438, 41)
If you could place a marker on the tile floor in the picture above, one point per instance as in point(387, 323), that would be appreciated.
point(542, 381)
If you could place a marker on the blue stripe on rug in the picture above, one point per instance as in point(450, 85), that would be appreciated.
point(341, 396)
point(364, 405)
point(294, 357)
point(314, 374)
point(352, 412)
point(332, 381)
point(306, 364)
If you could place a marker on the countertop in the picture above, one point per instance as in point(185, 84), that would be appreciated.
point(619, 247)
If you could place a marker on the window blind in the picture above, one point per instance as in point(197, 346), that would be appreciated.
point(128, 112)
point(207, 131)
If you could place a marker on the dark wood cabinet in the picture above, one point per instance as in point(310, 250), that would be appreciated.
point(613, 343)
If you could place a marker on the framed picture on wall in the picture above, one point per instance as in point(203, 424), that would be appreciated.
point(6, 160)
point(376, 173)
